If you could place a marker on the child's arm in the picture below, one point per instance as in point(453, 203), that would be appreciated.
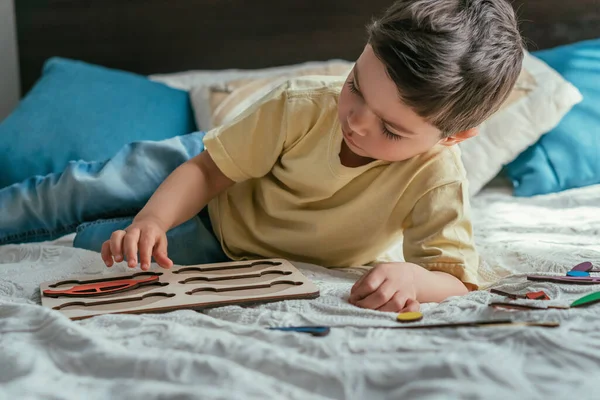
point(185, 192)
point(182, 195)
point(440, 252)
point(400, 287)
point(246, 148)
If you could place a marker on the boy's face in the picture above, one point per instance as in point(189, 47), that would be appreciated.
point(375, 122)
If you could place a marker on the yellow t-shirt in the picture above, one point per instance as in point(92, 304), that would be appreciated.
point(294, 199)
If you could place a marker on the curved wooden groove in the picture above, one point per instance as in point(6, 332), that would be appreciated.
point(226, 267)
point(251, 287)
point(132, 276)
point(226, 278)
point(113, 301)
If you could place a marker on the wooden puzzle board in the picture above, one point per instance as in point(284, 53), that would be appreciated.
point(186, 287)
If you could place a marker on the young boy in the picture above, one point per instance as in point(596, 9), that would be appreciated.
point(332, 172)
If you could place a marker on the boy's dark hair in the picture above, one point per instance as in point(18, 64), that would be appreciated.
point(454, 61)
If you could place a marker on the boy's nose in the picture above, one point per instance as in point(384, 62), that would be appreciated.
point(358, 121)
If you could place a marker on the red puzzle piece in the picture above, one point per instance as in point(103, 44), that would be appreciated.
point(541, 295)
point(102, 288)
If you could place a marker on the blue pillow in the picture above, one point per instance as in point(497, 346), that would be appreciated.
point(567, 157)
point(78, 111)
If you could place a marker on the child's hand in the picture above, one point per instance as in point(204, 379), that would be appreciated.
point(387, 287)
point(144, 236)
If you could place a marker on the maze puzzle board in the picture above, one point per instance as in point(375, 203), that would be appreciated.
point(185, 287)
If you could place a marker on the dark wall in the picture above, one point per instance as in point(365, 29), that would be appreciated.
point(160, 36)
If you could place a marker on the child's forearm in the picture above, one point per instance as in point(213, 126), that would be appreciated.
point(185, 192)
point(436, 286)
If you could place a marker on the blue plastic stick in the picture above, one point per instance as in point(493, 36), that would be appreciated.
point(312, 330)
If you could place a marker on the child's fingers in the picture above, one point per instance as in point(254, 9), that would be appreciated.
point(130, 247)
point(396, 303)
point(160, 252)
point(106, 255)
point(379, 297)
point(411, 306)
point(360, 280)
point(369, 285)
point(116, 244)
point(146, 245)
point(163, 260)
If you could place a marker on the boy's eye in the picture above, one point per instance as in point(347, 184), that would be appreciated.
point(385, 130)
point(353, 87)
point(389, 134)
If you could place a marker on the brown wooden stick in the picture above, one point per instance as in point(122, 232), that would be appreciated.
point(510, 295)
point(473, 324)
point(524, 306)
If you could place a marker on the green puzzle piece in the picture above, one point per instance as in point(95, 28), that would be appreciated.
point(587, 300)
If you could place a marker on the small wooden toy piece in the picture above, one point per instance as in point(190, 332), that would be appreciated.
point(540, 295)
point(190, 287)
point(311, 330)
point(521, 306)
point(481, 324)
point(103, 287)
point(573, 280)
point(584, 301)
point(467, 324)
point(409, 317)
point(578, 273)
point(587, 300)
point(583, 267)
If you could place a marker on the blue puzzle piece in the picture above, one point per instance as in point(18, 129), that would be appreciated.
point(578, 273)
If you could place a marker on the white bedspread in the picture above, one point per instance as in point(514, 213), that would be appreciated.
point(226, 353)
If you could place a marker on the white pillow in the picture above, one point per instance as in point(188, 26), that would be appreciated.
point(548, 97)
point(199, 83)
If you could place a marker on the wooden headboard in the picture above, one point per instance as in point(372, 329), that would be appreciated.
point(161, 36)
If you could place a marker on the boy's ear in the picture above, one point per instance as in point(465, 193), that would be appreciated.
point(459, 137)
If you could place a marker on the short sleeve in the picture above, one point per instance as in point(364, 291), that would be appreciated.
point(249, 146)
point(438, 233)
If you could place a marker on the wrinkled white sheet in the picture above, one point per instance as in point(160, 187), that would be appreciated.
point(226, 353)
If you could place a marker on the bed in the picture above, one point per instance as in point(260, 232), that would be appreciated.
point(227, 352)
